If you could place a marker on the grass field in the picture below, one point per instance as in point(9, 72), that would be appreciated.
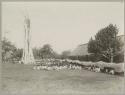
point(20, 79)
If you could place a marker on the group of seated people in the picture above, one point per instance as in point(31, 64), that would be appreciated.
point(56, 67)
point(58, 64)
point(98, 69)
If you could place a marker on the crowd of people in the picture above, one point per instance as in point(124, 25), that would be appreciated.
point(55, 64)
point(59, 64)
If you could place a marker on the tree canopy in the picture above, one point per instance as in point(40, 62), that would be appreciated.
point(65, 54)
point(8, 50)
point(47, 52)
point(105, 43)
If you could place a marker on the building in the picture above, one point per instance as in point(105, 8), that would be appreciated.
point(82, 49)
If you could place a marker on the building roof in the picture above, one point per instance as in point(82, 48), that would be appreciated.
point(80, 50)
point(83, 48)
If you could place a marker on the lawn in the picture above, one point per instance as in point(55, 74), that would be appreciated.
point(22, 79)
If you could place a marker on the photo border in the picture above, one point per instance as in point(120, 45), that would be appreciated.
point(50, 1)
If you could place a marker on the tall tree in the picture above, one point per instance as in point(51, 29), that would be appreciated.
point(92, 46)
point(106, 43)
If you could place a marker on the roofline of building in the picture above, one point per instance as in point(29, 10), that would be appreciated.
point(87, 43)
point(83, 44)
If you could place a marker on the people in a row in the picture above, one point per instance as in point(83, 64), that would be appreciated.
point(57, 64)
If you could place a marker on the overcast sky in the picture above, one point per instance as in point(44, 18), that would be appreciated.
point(63, 25)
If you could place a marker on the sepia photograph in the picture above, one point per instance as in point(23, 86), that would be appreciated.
point(62, 47)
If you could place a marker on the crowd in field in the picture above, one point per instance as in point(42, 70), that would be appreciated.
point(59, 64)
point(55, 64)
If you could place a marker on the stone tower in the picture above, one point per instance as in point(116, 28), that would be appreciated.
point(27, 57)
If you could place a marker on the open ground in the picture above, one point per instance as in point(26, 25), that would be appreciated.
point(22, 79)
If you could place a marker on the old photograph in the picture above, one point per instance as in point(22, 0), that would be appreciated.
point(57, 47)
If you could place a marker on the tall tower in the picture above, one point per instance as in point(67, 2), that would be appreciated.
point(27, 57)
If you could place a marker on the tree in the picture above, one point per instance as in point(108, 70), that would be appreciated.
point(18, 54)
point(65, 54)
point(94, 49)
point(8, 50)
point(106, 43)
point(46, 51)
point(36, 53)
point(92, 46)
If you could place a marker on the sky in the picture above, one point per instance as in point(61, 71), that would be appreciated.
point(63, 25)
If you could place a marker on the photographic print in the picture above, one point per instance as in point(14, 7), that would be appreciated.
point(62, 47)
